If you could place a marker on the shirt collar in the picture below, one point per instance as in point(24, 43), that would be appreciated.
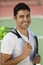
point(23, 36)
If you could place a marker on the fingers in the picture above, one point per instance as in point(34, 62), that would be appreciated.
point(37, 56)
point(37, 59)
point(28, 45)
point(27, 49)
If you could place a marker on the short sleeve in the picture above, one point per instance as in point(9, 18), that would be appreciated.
point(7, 44)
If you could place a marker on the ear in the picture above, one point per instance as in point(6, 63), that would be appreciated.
point(14, 17)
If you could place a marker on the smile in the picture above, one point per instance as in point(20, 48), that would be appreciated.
point(25, 23)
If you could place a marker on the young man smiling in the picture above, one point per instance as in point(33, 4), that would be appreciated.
point(19, 50)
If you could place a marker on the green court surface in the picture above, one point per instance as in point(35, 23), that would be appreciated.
point(36, 26)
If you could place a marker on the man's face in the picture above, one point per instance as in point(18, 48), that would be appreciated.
point(23, 19)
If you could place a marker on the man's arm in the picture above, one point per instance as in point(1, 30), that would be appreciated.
point(6, 58)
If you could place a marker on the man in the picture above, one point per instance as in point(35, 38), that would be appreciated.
point(19, 50)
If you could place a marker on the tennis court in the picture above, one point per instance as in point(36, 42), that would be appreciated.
point(36, 26)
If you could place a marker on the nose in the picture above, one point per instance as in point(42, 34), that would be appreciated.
point(25, 18)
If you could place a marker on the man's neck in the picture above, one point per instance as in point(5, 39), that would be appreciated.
point(23, 31)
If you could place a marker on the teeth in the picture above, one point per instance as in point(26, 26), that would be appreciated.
point(25, 23)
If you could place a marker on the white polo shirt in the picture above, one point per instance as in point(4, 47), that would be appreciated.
point(11, 44)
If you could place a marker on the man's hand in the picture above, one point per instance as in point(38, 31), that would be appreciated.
point(37, 59)
point(27, 49)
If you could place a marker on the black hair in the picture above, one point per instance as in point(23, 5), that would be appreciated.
point(20, 6)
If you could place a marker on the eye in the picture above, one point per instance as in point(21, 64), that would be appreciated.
point(28, 15)
point(21, 16)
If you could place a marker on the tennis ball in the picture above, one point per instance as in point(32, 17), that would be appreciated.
point(3, 28)
point(1, 35)
point(4, 33)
